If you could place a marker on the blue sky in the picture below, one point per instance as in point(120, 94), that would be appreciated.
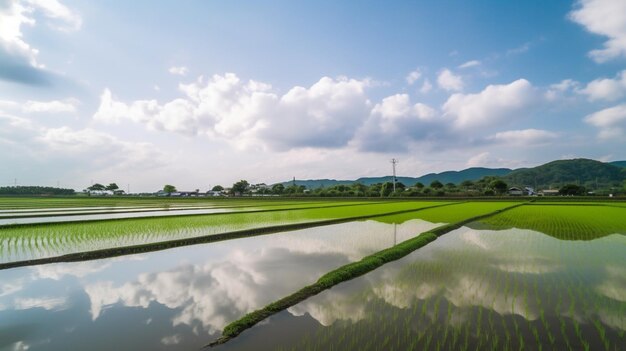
point(199, 93)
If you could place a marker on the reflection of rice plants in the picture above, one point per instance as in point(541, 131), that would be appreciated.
point(454, 295)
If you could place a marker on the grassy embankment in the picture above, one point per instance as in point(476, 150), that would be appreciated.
point(347, 272)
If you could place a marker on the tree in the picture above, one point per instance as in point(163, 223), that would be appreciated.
point(96, 187)
point(419, 185)
point(240, 187)
point(467, 184)
point(295, 189)
point(278, 188)
point(499, 186)
point(572, 189)
point(217, 188)
point(112, 187)
point(451, 187)
point(386, 189)
point(169, 188)
point(436, 184)
point(359, 189)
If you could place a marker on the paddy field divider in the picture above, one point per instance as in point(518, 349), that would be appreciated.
point(14, 225)
point(345, 273)
point(164, 245)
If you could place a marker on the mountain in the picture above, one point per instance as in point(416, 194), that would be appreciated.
point(456, 177)
point(591, 173)
point(618, 163)
point(580, 171)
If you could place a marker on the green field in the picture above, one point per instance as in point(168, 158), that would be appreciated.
point(570, 222)
point(31, 241)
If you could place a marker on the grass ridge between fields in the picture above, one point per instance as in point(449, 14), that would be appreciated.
point(164, 245)
point(345, 273)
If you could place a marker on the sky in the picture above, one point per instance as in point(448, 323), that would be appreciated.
point(201, 93)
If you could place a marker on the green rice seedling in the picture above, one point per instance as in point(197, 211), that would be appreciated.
point(582, 222)
point(108, 234)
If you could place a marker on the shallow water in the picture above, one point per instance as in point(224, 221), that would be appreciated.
point(469, 289)
point(111, 215)
point(178, 299)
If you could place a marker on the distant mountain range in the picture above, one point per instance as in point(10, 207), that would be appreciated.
point(578, 171)
point(551, 174)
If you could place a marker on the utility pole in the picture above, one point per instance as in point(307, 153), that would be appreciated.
point(393, 164)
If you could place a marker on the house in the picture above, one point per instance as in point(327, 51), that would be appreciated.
point(529, 191)
point(185, 193)
point(515, 191)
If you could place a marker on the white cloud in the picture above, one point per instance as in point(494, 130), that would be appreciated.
point(395, 123)
point(449, 81)
point(426, 87)
point(606, 88)
point(69, 147)
point(413, 77)
point(20, 346)
point(526, 137)
point(611, 121)
point(518, 50)
point(247, 113)
point(179, 70)
point(561, 89)
point(606, 18)
point(172, 340)
point(399, 105)
point(468, 64)
point(16, 54)
point(492, 105)
point(48, 303)
point(565, 85)
point(479, 160)
point(54, 106)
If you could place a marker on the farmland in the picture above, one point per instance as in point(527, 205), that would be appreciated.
point(404, 274)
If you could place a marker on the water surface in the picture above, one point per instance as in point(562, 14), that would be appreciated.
point(177, 299)
point(469, 289)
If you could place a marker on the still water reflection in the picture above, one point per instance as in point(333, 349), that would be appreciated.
point(470, 289)
point(179, 298)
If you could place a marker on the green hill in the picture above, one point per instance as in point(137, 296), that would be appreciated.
point(456, 177)
point(590, 173)
point(618, 163)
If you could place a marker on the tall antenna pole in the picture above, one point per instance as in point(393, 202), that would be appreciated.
point(393, 164)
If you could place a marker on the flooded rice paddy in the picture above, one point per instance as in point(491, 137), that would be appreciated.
point(530, 277)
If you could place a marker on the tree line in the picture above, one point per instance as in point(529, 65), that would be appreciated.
point(34, 190)
point(486, 186)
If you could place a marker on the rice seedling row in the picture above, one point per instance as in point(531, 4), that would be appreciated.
point(16, 243)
